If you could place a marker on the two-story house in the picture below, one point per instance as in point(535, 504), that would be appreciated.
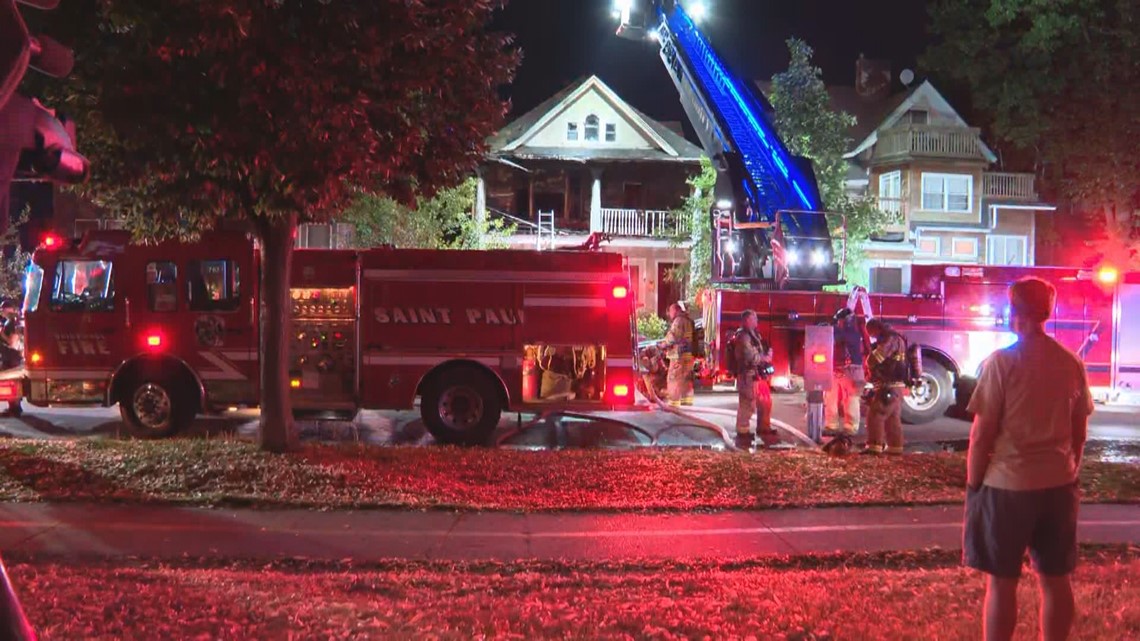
point(585, 161)
point(924, 163)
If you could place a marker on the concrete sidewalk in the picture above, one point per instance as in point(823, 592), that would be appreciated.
point(168, 532)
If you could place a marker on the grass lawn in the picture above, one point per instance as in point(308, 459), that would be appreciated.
point(235, 473)
point(877, 597)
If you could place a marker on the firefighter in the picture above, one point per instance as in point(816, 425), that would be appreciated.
point(888, 367)
point(754, 396)
point(11, 355)
point(846, 395)
point(679, 345)
point(653, 383)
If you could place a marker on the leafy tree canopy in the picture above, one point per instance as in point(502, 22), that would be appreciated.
point(1060, 80)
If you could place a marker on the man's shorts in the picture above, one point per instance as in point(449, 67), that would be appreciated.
point(1002, 524)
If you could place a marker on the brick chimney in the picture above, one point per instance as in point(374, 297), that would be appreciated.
point(872, 78)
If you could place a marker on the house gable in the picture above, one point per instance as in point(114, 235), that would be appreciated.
point(925, 98)
point(591, 116)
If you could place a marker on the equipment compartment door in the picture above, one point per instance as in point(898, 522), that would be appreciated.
point(1126, 364)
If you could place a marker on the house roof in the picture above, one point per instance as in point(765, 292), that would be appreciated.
point(665, 144)
point(874, 114)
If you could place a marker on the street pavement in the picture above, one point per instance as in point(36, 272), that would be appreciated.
point(94, 531)
point(706, 425)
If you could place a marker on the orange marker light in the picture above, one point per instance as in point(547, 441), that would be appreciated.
point(1108, 275)
point(36, 358)
point(621, 391)
point(620, 291)
point(819, 359)
point(295, 383)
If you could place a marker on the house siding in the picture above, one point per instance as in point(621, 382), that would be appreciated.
point(553, 133)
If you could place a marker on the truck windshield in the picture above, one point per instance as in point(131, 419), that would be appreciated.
point(83, 286)
point(33, 282)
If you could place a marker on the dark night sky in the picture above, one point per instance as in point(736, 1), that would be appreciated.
point(565, 39)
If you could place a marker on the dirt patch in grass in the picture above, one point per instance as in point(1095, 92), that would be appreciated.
point(873, 597)
point(234, 473)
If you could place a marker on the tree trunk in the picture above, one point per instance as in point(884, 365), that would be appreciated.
point(278, 432)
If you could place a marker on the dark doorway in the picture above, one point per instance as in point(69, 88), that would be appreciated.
point(632, 196)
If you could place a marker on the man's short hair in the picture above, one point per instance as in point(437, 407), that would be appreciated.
point(1032, 299)
point(876, 324)
point(746, 314)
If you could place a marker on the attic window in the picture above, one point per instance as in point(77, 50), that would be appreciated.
point(571, 131)
point(591, 128)
point(611, 132)
point(917, 117)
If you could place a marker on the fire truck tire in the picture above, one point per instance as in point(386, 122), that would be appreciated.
point(153, 409)
point(930, 400)
point(462, 406)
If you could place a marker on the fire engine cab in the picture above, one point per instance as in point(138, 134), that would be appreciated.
point(171, 330)
point(959, 315)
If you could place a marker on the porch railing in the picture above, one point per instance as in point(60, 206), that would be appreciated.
point(648, 223)
point(1009, 185)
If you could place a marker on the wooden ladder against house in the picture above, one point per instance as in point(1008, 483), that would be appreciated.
point(545, 230)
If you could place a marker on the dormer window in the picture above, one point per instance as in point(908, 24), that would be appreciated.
point(571, 131)
point(592, 128)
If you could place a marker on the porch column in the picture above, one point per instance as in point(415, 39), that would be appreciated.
point(480, 213)
point(596, 200)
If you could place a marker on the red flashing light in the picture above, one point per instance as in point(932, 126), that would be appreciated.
point(154, 341)
point(1108, 275)
point(620, 291)
point(621, 390)
point(36, 358)
point(819, 359)
point(51, 241)
point(9, 390)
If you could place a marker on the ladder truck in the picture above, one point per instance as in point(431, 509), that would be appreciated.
point(769, 230)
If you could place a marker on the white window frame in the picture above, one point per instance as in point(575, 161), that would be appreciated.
point(596, 126)
point(918, 245)
point(890, 186)
point(993, 239)
point(611, 132)
point(970, 239)
point(572, 132)
point(944, 178)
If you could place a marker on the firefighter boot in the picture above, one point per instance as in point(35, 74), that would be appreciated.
point(745, 441)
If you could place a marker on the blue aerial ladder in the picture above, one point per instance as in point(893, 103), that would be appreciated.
point(769, 228)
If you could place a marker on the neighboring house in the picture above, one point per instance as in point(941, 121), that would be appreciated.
point(585, 161)
point(924, 163)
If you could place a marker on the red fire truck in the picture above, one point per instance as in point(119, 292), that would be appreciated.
point(171, 330)
point(959, 315)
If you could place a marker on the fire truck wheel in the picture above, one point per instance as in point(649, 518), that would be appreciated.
point(929, 400)
point(461, 406)
point(153, 409)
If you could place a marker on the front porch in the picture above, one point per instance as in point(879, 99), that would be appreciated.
point(631, 200)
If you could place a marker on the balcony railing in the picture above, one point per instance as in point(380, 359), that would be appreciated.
point(641, 223)
point(1009, 186)
point(929, 141)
